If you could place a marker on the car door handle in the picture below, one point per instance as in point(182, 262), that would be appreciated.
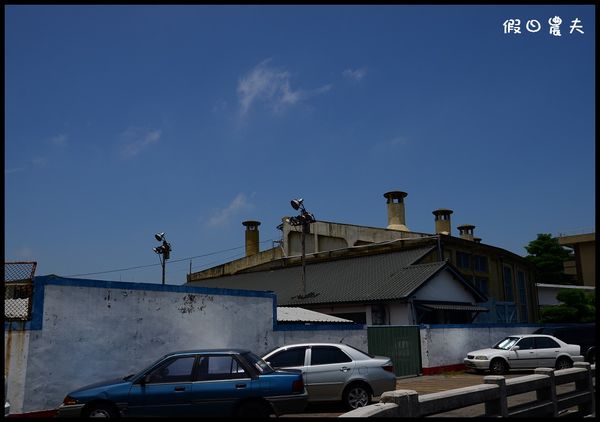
point(179, 388)
point(344, 369)
point(238, 386)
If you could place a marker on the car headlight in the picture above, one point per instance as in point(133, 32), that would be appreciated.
point(480, 357)
point(68, 401)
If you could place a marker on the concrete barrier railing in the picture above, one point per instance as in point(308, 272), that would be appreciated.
point(494, 393)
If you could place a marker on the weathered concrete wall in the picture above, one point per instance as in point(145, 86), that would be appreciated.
point(93, 330)
point(16, 351)
point(85, 331)
point(447, 345)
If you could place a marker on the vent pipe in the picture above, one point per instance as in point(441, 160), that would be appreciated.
point(252, 238)
point(466, 231)
point(395, 209)
point(442, 221)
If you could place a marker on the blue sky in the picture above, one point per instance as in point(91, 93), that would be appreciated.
point(125, 121)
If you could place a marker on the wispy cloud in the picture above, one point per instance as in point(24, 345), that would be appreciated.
point(136, 140)
point(14, 170)
point(24, 253)
point(355, 75)
point(222, 216)
point(272, 87)
point(390, 145)
point(59, 140)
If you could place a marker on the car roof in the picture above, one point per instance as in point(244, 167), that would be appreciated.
point(215, 351)
point(312, 344)
point(528, 335)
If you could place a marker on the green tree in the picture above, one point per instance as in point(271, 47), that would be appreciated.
point(548, 256)
point(576, 306)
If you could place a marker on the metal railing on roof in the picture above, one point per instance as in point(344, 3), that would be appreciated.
point(18, 290)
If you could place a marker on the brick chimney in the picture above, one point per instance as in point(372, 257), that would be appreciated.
point(442, 221)
point(395, 208)
point(466, 231)
point(252, 238)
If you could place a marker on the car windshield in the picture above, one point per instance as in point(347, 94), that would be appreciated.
point(147, 368)
point(506, 343)
point(260, 365)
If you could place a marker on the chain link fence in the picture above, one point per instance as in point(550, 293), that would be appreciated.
point(18, 290)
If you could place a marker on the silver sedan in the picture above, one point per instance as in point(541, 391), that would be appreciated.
point(337, 372)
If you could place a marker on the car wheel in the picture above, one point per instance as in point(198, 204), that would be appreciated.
point(357, 395)
point(254, 409)
point(563, 363)
point(498, 367)
point(102, 410)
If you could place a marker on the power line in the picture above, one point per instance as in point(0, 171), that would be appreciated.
point(154, 265)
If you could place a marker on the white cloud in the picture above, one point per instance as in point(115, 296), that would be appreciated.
point(59, 140)
point(222, 216)
point(272, 87)
point(355, 75)
point(135, 140)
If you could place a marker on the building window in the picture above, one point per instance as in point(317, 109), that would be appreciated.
point(480, 263)
point(463, 259)
point(522, 292)
point(482, 284)
point(508, 286)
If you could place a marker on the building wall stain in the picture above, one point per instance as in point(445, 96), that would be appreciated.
point(190, 303)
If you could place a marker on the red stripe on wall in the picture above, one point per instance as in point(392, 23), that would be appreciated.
point(441, 369)
point(38, 414)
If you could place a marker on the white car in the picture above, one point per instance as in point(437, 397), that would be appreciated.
point(336, 371)
point(524, 351)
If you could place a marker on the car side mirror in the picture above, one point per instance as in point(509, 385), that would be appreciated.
point(515, 348)
point(146, 380)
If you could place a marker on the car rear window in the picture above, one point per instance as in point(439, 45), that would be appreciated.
point(322, 355)
point(361, 351)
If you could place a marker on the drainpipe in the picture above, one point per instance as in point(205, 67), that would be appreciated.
point(412, 310)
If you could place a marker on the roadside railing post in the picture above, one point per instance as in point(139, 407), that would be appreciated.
point(498, 407)
point(406, 400)
point(549, 392)
point(586, 384)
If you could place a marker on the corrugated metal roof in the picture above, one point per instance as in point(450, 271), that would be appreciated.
point(289, 314)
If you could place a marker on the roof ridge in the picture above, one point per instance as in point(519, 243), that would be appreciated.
point(427, 264)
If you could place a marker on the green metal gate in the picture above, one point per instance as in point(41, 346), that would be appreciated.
point(400, 343)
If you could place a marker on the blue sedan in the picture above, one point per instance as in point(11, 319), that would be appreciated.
point(224, 382)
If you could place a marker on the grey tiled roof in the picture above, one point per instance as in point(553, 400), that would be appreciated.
point(384, 276)
point(454, 307)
